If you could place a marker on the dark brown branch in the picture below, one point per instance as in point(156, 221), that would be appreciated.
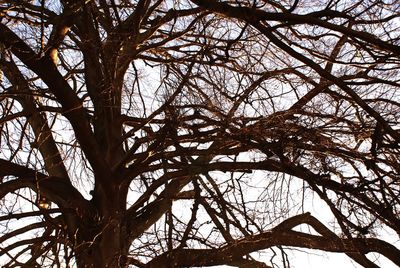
point(72, 105)
point(277, 237)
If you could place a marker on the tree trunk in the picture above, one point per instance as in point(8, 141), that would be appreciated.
point(102, 246)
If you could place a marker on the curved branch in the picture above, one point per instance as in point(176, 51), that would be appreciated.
point(26, 242)
point(256, 15)
point(22, 230)
point(279, 236)
point(55, 189)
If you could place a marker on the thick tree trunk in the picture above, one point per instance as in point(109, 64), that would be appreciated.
point(102, 246)
point(101, 240)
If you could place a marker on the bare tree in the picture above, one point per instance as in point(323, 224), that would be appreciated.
point(195, 133)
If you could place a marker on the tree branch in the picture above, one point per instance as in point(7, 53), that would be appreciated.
point(278, 237)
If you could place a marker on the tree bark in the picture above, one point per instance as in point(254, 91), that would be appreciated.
point(102, 246)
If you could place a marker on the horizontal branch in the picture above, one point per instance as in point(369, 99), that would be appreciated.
point(26, 242)
point(277, 237)
point(57, 190)
point(255, 15)
point(30, 214)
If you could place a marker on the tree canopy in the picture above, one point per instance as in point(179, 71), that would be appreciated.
point(195, 133)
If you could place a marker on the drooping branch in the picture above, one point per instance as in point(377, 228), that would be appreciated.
point(56, 189)
point(279, 236)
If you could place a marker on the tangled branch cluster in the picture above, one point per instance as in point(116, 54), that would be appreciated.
point(156, 133)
